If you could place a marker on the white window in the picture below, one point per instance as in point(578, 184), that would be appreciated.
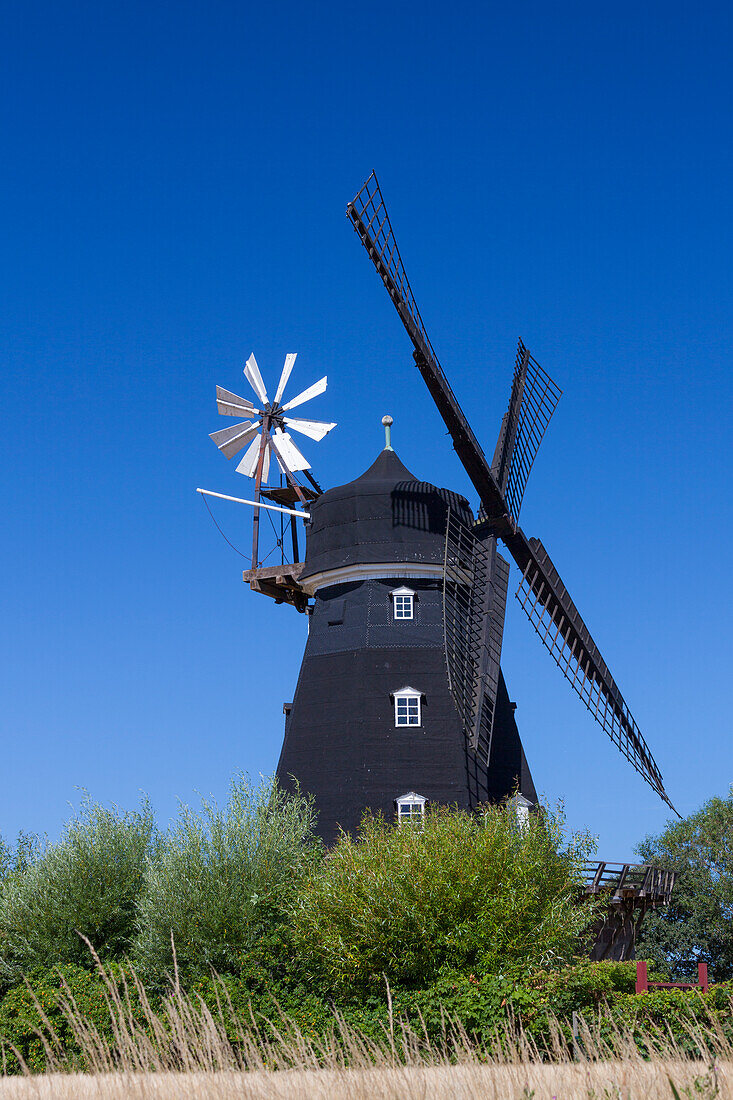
point(403, 603)
point(410, 809)
point(407, 707)
point(521, 807)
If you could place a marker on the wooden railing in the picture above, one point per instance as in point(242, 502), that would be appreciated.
point(626, 880)
point(629, 890)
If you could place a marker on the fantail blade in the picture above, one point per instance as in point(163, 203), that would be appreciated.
point(289, 452)
point(253, 376)
point(231, 404)
point(289, 361)
point(314, 429)
point(312, 391)
point(231, 440)
point(248, 465)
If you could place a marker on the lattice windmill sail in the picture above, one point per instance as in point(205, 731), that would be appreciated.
point(265, 437)
point(500, 486)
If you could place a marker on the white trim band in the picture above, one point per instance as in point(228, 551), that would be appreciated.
point(407, 570)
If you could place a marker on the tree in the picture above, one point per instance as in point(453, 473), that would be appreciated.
point(465, 893)
point(86, 883)
point(222, 878)
point(698, 924)
point(16, 859)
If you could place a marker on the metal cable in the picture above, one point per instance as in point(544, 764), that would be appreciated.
point(245, 556)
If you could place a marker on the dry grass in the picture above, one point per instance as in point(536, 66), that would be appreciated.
point(595, 1081)
point(184, 1049)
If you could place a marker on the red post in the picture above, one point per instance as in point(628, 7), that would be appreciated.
point(702, 976)
point(642, 981)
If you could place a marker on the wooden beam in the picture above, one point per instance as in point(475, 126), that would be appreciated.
point(266, 572)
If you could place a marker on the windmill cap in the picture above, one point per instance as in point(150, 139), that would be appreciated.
point(385, 515)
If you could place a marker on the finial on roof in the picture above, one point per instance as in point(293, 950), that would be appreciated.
point(388, 422)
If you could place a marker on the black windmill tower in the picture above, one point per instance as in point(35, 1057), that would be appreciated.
point(401, 700)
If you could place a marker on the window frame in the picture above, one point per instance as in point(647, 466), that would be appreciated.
point(414, 804)
point(411, 701)
point(406, 598)
point(521, 808)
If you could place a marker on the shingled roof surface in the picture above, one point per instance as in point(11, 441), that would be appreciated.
point(385, 515)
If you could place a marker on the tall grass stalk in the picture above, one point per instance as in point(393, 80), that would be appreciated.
point(638, 1081)
point(184, 1048)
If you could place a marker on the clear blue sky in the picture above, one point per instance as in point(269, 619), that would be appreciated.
point(173, 190)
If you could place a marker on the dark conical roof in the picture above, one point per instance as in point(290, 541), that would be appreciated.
point(386, 467)
point(385, 515)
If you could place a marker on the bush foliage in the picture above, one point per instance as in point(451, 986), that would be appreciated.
point(470, 917)
point(222, 879)
point(16, 859)
point(600, 993)
point(88, 884)
point(465, 892)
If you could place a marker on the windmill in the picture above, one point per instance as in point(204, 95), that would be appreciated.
point(265, 437)
point(401, 700)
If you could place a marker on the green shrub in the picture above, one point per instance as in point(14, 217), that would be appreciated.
point(602, 993)
point(465, 893)
point(16, 859)
point(23, 1008)
point(88, 883)
point(222, 879)
point(302, 1007)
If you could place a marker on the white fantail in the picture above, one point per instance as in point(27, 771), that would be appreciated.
point(264, 434)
